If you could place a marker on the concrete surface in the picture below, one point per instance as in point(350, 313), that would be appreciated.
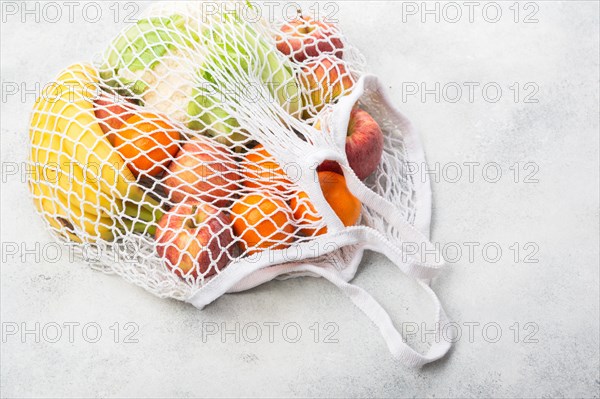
point(547, 311)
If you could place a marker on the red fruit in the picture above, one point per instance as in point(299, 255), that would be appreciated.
point(203, 170)
point(306, 37)
point(323, 81)
point(195, 239)
point(364, 146)
point(112, 111)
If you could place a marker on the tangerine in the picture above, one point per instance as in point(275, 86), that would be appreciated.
point(345, 205)
point(262, 221)
point(262, 171)
point(147, 142)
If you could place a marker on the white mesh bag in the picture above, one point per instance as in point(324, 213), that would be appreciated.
point(205, 153)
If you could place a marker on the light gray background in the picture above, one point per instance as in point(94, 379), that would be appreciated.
point(559, 294)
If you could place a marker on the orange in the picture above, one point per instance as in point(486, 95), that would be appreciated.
point(306, 215)
point(345, 205)
point(262, 171)
point(262, 222)
point(147, 142)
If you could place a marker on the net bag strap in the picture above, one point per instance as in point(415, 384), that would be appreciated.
point(373, 310)
point(399, 234)
point(395, 246)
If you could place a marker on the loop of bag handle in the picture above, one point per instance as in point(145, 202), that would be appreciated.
point(399, 349)
point(413, 265)
point(409, 236)
point(397, 346)
point(395, 250)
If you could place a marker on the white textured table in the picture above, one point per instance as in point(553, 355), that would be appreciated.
point(553, 221)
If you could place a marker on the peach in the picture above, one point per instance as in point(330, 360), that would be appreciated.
point(195, 239)
point(203, 170)
point(305, 37)
point(112, 115)
point(323, 81)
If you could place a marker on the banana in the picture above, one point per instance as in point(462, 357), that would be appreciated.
point(70, 207)
point(59, 216)
point(56, 166)
point(102, 226)
point(81, 185)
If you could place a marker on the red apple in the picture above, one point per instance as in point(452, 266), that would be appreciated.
point(305, 37)
point(323, 81)
point(195, 239)
point(203, 170)
point(112, 111)
point(364, 145)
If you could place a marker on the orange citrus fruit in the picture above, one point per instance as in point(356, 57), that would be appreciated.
point(345, 205)
point(262, 222)
point(306, 215)
point(261, 171)
point(147, 142)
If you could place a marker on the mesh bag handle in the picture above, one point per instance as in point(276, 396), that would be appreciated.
point(399, 349)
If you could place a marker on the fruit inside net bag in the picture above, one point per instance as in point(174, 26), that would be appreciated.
point(208, 153)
